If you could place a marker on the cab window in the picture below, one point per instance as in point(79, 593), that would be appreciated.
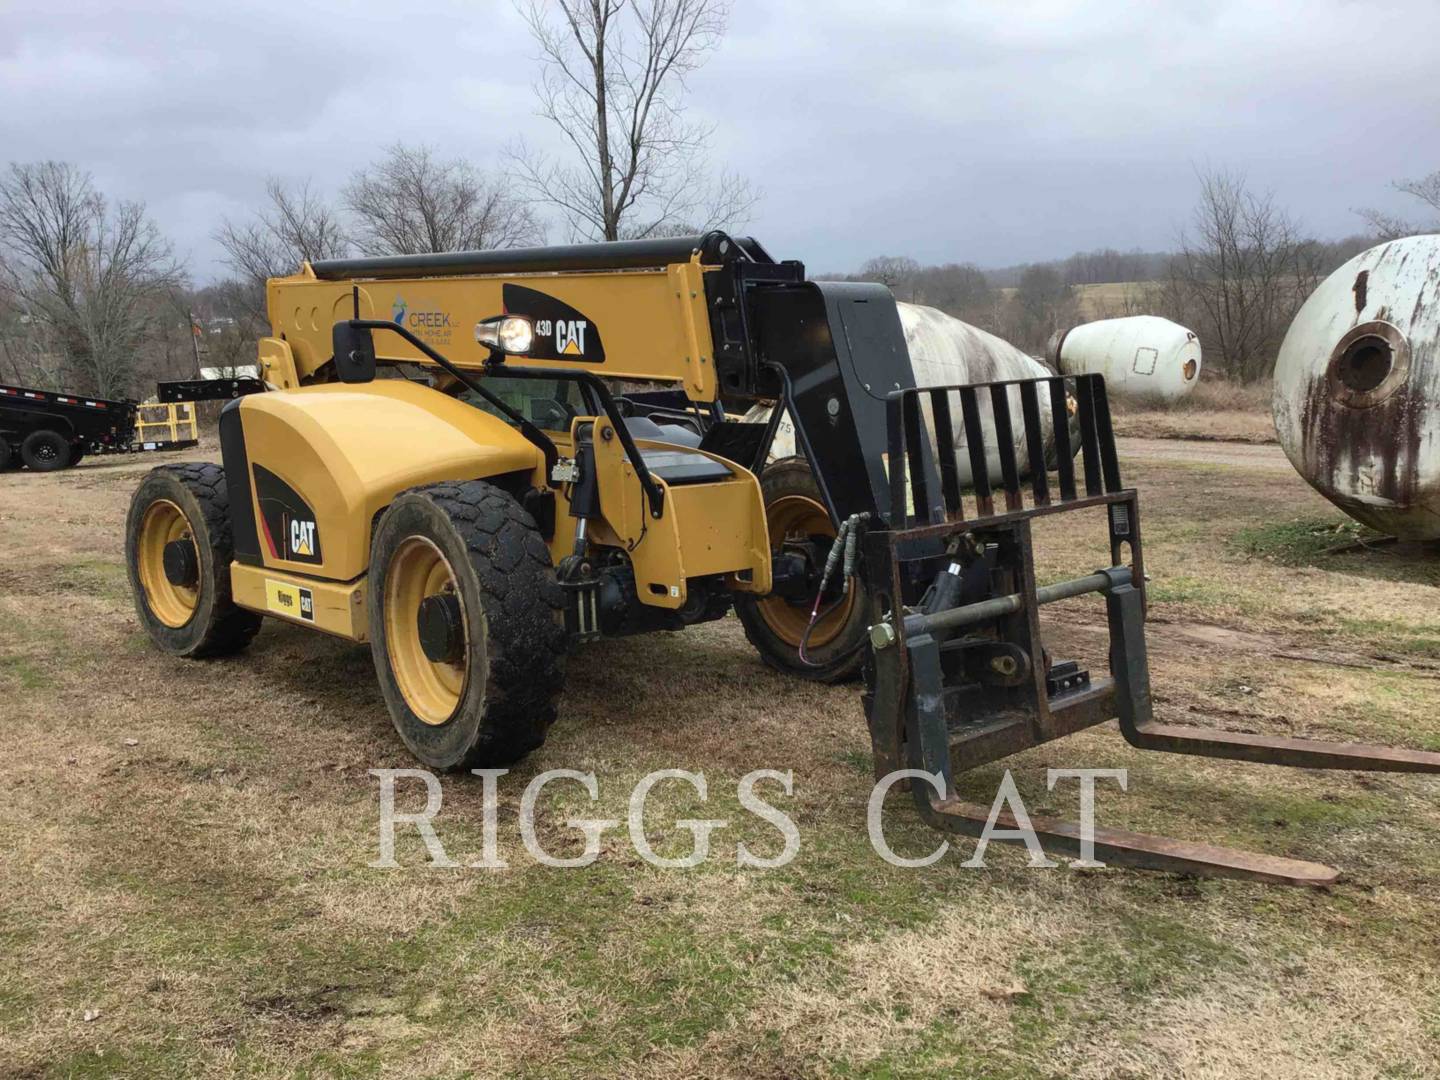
point(549, 404)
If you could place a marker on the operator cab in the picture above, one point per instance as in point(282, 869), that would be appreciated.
point(552, 405)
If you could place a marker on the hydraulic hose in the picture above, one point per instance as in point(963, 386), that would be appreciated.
point(843, 553)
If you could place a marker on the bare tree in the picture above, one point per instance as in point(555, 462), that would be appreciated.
point(409, 202)
point(1240, 275)
point(1105, 265)
point(1042, 303)
point(223, 331)
point(895, 272)
point(613, 82)
point(297, 226)
point(27, 346)
point(960, 289)
point(86, 276)
point(1388, 226)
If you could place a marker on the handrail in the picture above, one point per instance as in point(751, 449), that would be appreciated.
point(529, 430)
point(654, 493)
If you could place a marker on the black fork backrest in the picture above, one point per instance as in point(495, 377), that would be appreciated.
point(993, 453)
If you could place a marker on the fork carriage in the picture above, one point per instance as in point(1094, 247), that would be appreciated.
point(959, 675)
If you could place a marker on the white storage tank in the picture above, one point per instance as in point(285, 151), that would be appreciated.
point(945, 351)
point(1140, 356)
point(1357, 388)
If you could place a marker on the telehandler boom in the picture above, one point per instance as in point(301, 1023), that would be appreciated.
point(454, 465)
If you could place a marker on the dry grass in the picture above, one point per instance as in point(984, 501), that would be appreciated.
point(1216, 410)
point(185, 845)
point(1106, 300)
point(1111, 299)
point(1223, 396)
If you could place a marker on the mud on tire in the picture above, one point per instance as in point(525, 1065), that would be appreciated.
point(215, 626)
point(512, 656)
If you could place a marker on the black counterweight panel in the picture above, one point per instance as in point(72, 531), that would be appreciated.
point(244, 536)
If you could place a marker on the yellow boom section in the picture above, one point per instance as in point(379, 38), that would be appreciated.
point(632, 324)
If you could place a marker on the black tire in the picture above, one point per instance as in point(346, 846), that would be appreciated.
point(512, 657)
point(45, 451)
point(834, 660)
point(216, 627)
point(4, 454)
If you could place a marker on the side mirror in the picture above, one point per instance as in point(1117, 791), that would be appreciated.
point(354, 352)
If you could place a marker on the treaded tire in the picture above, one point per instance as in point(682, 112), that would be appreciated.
point(838, 660)
point(515, 642)
point(217, 627)
point(4, 454)
point(45, 451)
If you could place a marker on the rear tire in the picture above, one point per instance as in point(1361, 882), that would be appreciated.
point(179, 502)
point(795, 509)
point(471, 550)
point(45, 451)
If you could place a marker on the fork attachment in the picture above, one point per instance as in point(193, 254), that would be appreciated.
point(960, 675)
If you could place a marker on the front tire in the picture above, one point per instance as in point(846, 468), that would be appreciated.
point(466, 625)
point(182, 595)
point(796, 516)
point(45, 451)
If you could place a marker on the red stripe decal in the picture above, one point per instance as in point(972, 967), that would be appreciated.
point(269, 540)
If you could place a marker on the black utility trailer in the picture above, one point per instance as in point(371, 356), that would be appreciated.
point(45, 431)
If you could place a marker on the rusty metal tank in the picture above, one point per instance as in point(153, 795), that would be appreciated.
point(1141, 356)
point(1357, 388)
point(945, 351)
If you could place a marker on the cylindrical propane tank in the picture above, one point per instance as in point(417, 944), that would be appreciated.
point(944, 352)
point(1357, 388)
point(1140, 356)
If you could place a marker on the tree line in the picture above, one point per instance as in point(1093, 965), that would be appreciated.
point(93, 299)
point(1241, 268)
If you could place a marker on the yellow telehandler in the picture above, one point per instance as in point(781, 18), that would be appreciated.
point(478, 461)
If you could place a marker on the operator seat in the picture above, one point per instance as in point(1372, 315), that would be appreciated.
point(642, 427)
point(678, 466)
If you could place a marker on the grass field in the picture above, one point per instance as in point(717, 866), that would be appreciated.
point(1106, 300)
point(185, 887)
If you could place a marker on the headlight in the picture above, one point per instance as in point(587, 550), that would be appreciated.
point(508, 334)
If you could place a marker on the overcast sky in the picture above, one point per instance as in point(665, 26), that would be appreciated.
point(988, 132)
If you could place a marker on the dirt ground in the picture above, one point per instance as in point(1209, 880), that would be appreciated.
point(185, 884)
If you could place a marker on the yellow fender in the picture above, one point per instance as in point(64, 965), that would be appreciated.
point(347, 450)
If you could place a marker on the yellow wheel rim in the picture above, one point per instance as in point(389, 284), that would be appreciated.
point(432, 690)
point(164, 522)
point(798, 517)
